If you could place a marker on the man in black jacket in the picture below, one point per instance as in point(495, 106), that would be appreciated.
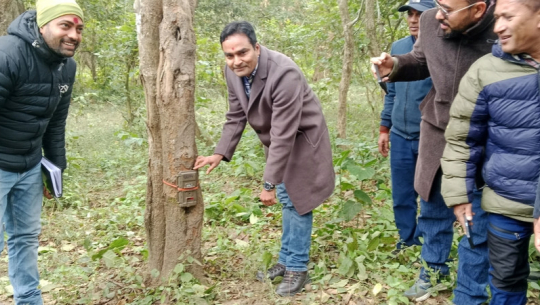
point(36, 80)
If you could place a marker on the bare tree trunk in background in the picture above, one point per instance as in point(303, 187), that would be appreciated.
point(9, 10)
point(374, 45)
point(371, 27)
point(129, 103)
point(167, 66)
point(346, 70)
point(86, 58)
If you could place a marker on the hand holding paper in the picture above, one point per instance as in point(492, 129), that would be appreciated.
point(52, 176)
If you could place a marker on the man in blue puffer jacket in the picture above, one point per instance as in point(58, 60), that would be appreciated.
point(494, 128)
point(36, 80)
point(401, 116)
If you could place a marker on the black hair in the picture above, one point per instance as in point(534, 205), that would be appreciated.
point(239, 27)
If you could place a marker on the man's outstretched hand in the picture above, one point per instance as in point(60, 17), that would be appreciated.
point(385, 64)
point(212, 160)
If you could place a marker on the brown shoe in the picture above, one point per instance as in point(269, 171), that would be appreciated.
point(293, 282)
point(274, 271)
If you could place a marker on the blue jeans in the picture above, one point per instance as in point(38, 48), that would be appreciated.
point(403, 156)
point(436, 226)
point(296, 236)
point(21, 195)
point(508, 241)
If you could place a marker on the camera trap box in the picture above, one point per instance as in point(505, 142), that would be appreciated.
point(187, 180)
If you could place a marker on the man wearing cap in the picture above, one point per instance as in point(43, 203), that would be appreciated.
point(36, 80)
point(400, 124)
point(451, 38)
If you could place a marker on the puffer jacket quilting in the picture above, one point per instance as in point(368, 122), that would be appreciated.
point(495, 117)
point(35, 92)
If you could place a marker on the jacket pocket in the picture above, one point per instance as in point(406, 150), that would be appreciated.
point(310, 142)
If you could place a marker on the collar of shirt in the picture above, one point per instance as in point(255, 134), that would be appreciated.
point(249, 80)
point(528, 59)
point(251, 76)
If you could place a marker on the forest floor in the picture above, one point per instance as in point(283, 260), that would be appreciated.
point(92, 246)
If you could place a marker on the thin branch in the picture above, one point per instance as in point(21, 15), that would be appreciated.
point(357, 15)
point(355, 19)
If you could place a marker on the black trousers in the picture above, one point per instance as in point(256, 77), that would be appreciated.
point(509, 261)
point(508, 243)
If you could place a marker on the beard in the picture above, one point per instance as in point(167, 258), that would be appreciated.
point(452, 33)
point(56, 43)
point(59, 49)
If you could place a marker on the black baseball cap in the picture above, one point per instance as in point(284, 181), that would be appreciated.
point(419, 5)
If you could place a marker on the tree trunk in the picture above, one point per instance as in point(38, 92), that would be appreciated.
point(371, 27)
point(167, 67)
point(346, 70)
point(129, 105)
point(9, 10)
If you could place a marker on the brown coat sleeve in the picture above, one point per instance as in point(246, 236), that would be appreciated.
point(413, 65)
point(233, 127)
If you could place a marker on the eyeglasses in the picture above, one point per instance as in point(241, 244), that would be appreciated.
point(446, 13)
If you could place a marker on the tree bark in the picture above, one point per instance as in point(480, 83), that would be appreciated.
point(371, 27)
point(167, 67)
point(9, 10)
point(346, 70)
point(129, 106)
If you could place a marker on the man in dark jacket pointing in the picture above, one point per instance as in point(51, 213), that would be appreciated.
point(36, 80)
point(400, 124)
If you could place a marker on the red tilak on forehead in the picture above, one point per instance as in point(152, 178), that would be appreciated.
point(233, 49)
point(76, 20)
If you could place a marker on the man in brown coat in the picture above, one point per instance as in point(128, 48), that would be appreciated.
point(452, 37)
point(269, 91)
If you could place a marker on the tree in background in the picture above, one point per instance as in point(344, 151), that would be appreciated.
point(348, 56)
point(108, 66)
point(9, 10)
point(167, 66)
point(372, 9)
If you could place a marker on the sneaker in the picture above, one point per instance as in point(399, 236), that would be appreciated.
point(274, 271)
point(419, 291)
point(293, 282)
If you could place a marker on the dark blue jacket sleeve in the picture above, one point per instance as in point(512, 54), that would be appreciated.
point(386, 114)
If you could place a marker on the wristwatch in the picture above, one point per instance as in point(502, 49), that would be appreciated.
point(268, 186)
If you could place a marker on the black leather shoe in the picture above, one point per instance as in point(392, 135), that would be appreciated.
point(293, 282)
point(272, 273)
